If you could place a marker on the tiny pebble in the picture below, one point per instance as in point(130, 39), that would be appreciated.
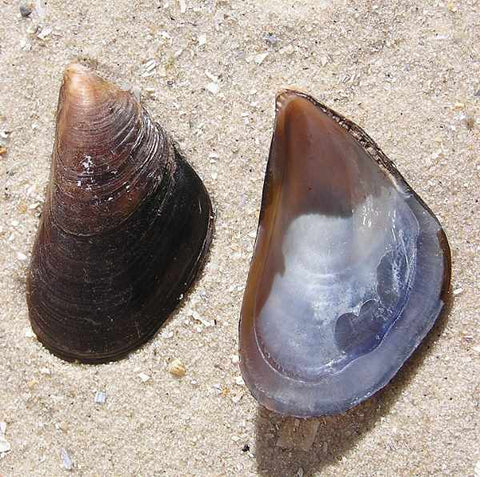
point(44, 33)
point(193, 313)
point(45, 371)
point(202, 39)
point(148, 67)
point(25, 9)
point(211, 77)
point(3, 427)
point(4, 445)
point(288, 50)
point(66, 459)
point(21, 256)
point(40, 7)
point(457, 291)
point(239, 380)
point(451, 6)
point(100, 397)
point(3, 150)
point(260, 58)
point(144, 377)
point(177, 368)
point(183, 6)
point(212, 88)
point(300, 472)
point(29, 333)
point(245, 448)
point(236, 399)
point(235, 359)
point(271, 39)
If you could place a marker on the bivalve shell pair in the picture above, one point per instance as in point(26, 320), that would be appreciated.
point(350, 269)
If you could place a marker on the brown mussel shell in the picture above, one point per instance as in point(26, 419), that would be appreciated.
point(350, 269)
point(125, 228)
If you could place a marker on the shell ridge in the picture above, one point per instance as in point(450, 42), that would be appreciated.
point(121, 238)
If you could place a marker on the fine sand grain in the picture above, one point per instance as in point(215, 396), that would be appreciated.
point(407, 72)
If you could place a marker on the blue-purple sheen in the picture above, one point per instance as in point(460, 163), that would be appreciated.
point(347, 274)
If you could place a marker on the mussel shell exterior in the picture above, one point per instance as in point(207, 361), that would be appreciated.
point(350, 268)
point(125, 228)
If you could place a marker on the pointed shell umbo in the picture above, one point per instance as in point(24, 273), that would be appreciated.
point(125, 227)
point(350, 269)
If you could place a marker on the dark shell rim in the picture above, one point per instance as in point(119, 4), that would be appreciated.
point(373, 151)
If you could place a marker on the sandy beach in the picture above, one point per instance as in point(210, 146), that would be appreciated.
point(406, 72)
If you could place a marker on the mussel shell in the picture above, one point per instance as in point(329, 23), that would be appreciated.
point(350, 269)
point(125, 228)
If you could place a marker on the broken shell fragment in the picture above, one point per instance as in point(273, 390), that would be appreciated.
point(350, 269)
point(125, 227)
point(177, 368)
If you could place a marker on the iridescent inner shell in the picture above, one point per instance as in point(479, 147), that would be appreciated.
point(348, 272)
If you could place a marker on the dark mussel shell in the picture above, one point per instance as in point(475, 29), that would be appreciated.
point(350, 269)
point(125, 227)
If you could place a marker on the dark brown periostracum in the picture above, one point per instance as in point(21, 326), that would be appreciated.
point(125, 227)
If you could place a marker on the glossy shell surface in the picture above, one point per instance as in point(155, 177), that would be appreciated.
point(125, 227)
point(350, 268)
